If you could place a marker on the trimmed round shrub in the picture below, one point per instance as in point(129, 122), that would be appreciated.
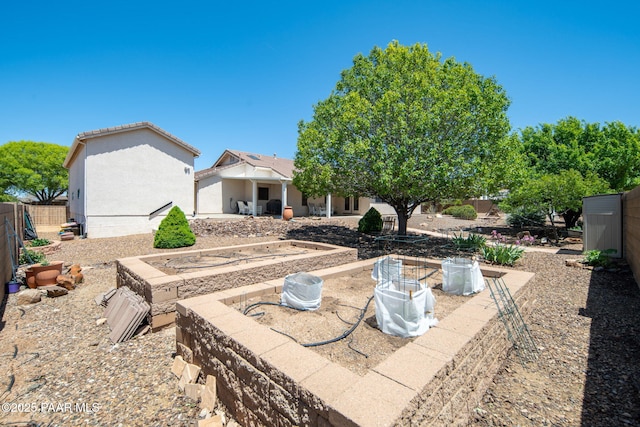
point(462, 212)
point(371, 222)
point(524, 217)
point(174, 231)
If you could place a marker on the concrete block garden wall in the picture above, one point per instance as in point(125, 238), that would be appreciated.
point(162, 290)
point(266, 379)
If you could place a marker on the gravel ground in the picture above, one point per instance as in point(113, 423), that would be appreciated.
point(60, 368)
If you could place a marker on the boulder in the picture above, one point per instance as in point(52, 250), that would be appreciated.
point(77, 278)
point(28, 296)
point(54, 291)
point(75, 269)
point(66, 281)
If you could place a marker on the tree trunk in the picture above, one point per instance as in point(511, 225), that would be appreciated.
point(571, 218)
point(402, 222)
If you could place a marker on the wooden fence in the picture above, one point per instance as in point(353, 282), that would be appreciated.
point(12, 218)
point(48, 215)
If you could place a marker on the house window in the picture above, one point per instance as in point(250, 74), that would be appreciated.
point(356, 203)
point(263, 193)
point(346, 204)
point(304, 199)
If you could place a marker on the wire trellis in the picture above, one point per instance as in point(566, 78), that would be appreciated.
point(517, 330)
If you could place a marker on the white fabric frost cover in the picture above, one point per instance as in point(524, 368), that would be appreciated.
point(302, 291)
point(404, 308)
point(387, 269)
point(461, 276)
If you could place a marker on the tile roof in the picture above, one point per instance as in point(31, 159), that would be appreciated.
point(280, 165)
point(133, 126)
point(283, 166)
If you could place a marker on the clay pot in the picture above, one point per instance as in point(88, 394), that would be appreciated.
point(287, 214)
point(46, 274)
point(30, 278)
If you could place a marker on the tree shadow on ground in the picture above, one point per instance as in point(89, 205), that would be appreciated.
point(612, 388)
point(367, 245)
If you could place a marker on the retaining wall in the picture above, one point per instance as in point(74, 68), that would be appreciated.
point(266, 379)
point(162, 290)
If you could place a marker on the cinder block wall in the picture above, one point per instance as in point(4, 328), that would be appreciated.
point(631, 230)
point(257, 393)
point(162, 291)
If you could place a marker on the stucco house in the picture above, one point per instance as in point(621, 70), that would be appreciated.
point(266, 182)
point(123, 180)
point(237, 176)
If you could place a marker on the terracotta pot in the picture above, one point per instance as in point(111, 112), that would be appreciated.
point(30, 278)
point(46, 274)
point(287, 214)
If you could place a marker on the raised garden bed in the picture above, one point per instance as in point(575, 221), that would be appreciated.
point(267, 378)
point(167, 278)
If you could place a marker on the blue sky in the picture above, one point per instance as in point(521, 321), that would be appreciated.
point(241, 75)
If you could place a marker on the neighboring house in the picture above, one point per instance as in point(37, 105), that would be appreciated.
point(124, 179)
point(266, 182)
point(236, 176)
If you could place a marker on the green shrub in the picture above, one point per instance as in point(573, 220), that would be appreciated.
point(462, 212)
point(174, 231)
point(28, 256)
point(473, 242)
point(371, 222)
point(524, 217)
point(39, 242)
point(598, 258)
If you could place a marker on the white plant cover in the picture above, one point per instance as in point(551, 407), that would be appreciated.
point(461, 276)
point(386, 269)
point(302, 291)
point(404, 308)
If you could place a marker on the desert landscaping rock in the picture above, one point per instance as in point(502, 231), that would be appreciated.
point(28, 296)
point(586, 324)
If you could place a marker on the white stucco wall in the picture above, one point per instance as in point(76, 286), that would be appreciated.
point(76, 192)
point(208, 198)
point(131, 174)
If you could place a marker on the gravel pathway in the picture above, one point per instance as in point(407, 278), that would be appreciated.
point(60, 368)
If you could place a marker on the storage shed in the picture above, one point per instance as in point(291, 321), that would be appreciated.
point(602, 216)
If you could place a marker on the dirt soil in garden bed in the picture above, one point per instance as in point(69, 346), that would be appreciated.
point(585, 322)
point(191, 263)
point(343, 298)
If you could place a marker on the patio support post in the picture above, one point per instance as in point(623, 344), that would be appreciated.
point(329, 205)
point(284, 196)
point(254, 197)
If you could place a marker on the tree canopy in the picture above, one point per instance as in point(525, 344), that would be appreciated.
point(611, 151)
point(560, 193)
point(33, 168)
point(407, 127)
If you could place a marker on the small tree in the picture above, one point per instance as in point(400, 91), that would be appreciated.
point(556, 193)
point(174, 231)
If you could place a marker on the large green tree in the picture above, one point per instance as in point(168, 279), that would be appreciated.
point(34, 168)
point(611, 151)
point(407, 127)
